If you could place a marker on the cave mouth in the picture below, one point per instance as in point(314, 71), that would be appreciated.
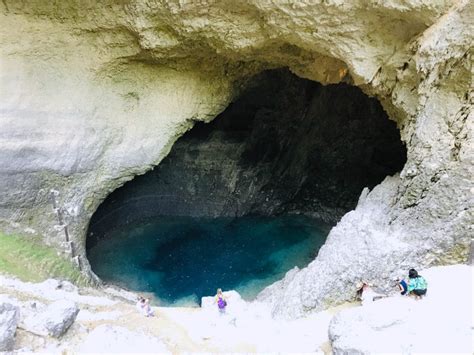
point(240, 201)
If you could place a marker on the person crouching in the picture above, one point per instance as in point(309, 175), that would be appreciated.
point(417, 285)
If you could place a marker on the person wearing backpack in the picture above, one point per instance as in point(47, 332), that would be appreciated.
point(221, 301)
point(417, 284)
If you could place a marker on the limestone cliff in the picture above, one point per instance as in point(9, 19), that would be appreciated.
point(95, 93)
point(286, 145)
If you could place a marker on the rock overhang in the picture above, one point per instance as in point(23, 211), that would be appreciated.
point(97, 93)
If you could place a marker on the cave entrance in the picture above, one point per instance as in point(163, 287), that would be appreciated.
point(241, 200)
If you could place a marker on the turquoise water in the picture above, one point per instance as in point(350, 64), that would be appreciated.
point(181, 259)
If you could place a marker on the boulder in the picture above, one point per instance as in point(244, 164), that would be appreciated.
point(9, 316)
point(272, 292)
point(59, 317)
point(54, 321)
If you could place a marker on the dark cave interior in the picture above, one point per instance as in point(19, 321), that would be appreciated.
point(286, 145)
point(263, 182)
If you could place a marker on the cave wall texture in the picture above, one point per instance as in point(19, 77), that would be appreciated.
point(286, 145)
point(95, 93)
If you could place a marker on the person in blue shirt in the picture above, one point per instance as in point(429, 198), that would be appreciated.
point(417, 284)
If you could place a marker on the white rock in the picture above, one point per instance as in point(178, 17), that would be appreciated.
point(88, 316)
point(439, 323)
point(9, 316)
point(54, 284)
point(52, 291)
point(53, 321)
point(369, 296)
point(121, 293)
point(233, 298)
point(111, 339)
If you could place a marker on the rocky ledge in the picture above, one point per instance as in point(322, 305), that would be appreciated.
point(108, 321)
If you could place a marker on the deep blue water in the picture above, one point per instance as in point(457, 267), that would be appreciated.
point(181, 259)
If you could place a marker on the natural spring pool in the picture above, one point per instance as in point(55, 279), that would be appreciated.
point(181, 259)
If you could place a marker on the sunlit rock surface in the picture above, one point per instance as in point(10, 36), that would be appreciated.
point(96, 93)
point(109, 322)
point(53, 321)
point(106, 338)
point(404, 325)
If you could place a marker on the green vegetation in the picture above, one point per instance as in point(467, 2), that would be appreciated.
point(30, 260)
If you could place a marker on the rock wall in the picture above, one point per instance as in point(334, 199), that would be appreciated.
point(96, 93)
point(286, 145)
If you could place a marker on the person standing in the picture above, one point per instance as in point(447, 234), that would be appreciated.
point(221, 301)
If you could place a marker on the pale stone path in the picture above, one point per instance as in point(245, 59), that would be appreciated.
point(244, 329)
point(108, 322)
point(96, 310)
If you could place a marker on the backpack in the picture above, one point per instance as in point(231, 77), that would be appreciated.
point(221, 303)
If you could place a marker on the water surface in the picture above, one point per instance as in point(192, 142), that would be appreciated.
point(181, 259)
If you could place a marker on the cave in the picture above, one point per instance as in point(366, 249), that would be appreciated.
point(241, 200)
